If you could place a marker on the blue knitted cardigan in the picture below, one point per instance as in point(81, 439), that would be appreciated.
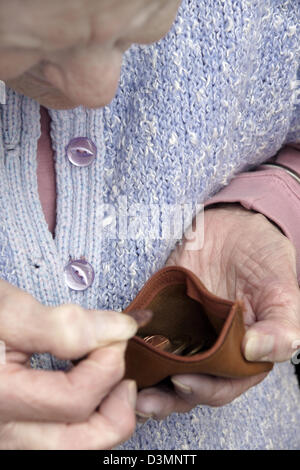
point(216, 96)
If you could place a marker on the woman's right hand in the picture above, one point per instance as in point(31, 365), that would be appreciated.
point(88, 407)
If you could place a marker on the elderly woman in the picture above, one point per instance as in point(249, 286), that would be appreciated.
point(159, 102)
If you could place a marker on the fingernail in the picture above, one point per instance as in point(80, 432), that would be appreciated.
point(131, 393)
point(143, 417)
point(142, 317)
point(182, 387)
point(258, 347)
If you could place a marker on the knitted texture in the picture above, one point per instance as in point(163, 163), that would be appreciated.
point(213, 98)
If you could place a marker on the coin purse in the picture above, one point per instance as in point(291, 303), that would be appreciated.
point(185, 312)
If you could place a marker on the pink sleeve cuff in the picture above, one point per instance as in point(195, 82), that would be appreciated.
point(272, 192)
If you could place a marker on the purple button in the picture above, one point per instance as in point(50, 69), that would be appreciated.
point(79, 274)
point(81, 151)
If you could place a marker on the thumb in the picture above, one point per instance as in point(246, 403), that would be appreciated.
point(275, 337)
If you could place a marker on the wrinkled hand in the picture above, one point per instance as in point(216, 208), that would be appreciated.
point(244, 256)
point(89, 407)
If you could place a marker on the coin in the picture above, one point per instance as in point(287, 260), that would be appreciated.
point(164, 344)
point(180, 347)
point(158, 341)
point(192, 350)
point(177, 347)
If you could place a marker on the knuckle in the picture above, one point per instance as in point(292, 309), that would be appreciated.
point(112, 357)
point(70, 312)
point(78, 410)
point(284, 294)
point(220, 397)
point(77, 402)
point(70, 318)
point(114, 364)
point(109, 368)
point(290, 248)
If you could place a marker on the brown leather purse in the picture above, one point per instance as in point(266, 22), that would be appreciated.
point(185, 312)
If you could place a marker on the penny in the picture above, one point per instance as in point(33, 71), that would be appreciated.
point(180, 347)
point(164, 344)
point(194, 350)
point(158, 341)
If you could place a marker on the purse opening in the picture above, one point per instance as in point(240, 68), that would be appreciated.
point(181, 318)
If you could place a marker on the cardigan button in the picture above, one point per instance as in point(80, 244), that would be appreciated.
point(79, 274)
point(81, 151)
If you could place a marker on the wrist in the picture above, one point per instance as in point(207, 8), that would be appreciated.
point(238, 208)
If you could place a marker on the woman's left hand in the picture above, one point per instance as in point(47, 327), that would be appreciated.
point(244, 256)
